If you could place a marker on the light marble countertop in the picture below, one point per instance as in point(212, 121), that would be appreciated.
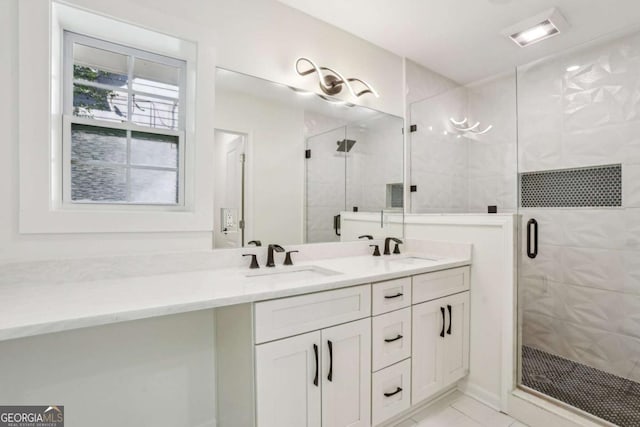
point(34, 307)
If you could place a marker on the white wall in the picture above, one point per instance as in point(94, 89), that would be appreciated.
point(423, 83)
point(275, 164)
point(258, 37)
point(492, 294)
point(156, 372)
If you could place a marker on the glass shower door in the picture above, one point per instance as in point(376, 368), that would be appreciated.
point(579, 283)
point(326, 185)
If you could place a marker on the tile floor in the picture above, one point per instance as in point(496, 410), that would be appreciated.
point(607, 396)
point(458, 410)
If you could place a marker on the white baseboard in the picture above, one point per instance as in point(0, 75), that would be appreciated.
point(490, 399)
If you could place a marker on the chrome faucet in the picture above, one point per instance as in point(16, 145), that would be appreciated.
point(272, 247)
point(387, 251)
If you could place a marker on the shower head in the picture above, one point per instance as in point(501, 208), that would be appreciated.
point(345, 145)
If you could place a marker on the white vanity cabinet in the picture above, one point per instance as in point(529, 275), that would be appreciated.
point(440, 332)
point(294, 375)
point(309, 363)
point(356, 356)
point(287, 384)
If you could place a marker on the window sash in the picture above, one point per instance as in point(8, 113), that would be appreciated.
point(69, 119)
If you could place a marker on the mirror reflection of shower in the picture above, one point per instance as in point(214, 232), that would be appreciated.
point(307, 161)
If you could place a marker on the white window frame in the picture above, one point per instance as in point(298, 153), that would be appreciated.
point(70, 38)
point(41, 26)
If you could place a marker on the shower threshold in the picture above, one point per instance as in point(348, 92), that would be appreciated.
point(599, 393)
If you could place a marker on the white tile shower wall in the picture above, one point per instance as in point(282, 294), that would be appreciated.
point(465, 173)
point(492, 157)
point(581, 295)
point(438, 158)
point(369, 174)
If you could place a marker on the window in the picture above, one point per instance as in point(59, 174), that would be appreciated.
point(124, 124)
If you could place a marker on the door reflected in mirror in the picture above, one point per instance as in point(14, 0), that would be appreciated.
point(292, 167)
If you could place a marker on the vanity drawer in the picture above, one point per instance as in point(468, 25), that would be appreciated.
point(285, 317)
point(391, 295)
point(431, 286)
point(391, 338)
point(395, 379)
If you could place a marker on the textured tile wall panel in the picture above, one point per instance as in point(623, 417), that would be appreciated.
point(583, 187)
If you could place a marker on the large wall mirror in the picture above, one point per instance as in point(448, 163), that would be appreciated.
point(293, 167)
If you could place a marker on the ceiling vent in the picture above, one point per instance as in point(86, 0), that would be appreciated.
point(537, 28)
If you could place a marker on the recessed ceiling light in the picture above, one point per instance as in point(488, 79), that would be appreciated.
point(573, 68)
point(537, 28)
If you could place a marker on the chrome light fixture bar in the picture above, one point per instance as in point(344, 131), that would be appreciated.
point(537, 28)
point(331, 82)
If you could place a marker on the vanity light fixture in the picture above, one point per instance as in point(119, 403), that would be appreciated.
point(463, 127)
point(331, 81)
point(537, 28)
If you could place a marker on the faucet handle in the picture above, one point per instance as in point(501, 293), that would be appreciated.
point(376, 251)
point(396, 250)
point(254, 260)
point(366, 236)
point(287, 258)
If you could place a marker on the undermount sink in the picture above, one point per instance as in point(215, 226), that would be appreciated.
point(412, 260)
point(295, 272)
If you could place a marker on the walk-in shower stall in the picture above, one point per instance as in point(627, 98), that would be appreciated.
point(562, 149)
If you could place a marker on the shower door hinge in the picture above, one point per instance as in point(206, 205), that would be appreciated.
point(241, 224)
point(413, 128)
point(307, 154)
point(413, 188)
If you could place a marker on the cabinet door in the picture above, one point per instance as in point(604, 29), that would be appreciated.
point(286, 395)
point(427, 349)
point(346, 375)
point(456, 353)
